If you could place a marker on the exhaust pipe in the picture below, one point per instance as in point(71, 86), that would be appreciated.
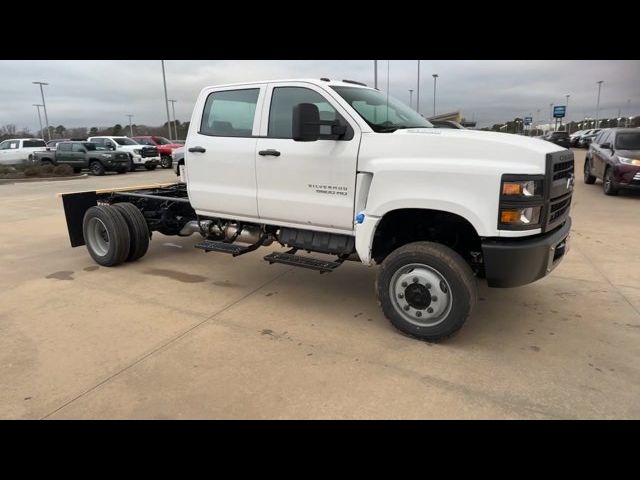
point(249, 234)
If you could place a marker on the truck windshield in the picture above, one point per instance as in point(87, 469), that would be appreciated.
point(125, 141)
point(382, 116)
point(628, 141)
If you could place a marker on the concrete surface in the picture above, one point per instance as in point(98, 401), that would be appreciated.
point(184, 334)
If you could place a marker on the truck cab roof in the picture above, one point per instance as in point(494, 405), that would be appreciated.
point(315, 81)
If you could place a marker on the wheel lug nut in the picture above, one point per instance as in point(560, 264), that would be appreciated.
point(430, 310)
point(418, 314)
point(428, 285)
point(401, 295)
point(406, 308)
point(404, 284)
point(434, 299)
point(415, 280)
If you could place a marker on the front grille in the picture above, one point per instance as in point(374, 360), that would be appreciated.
point(560, 168)
point(636, 177)
point(563, 170)
point(150, 152)
point(558, 209)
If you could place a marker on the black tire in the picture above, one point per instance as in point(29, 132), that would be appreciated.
point(458, 292)
point(45, 161)
point(608, 185)
point(132, 166)
point(77, 169)
point(104, 221)
point(166, 161)
point(138, 230)
point(588, 178)
point(96, 168)
point(150, 166)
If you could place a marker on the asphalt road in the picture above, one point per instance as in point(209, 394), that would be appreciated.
point(184, 334)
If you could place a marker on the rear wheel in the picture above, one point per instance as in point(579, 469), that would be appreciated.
point(96, 168)
point(106, 235)
point(138, 230)
point(150, 166)
point(608, 185)
point(426, 290)
point(588, 178)
point(165, 161)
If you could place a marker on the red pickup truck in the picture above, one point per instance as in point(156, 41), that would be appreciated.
point(165, 147)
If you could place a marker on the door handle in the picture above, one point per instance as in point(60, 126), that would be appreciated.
point(271, 151)
point(197, 150)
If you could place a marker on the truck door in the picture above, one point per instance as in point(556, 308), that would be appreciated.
point(77, 155)
point(305, 183)
point(220, 152)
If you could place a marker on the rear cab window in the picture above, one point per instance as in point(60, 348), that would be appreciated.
point(230, 113)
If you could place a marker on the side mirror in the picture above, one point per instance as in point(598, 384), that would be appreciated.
point(110, 147)
point(606, 146)
point(306, 123)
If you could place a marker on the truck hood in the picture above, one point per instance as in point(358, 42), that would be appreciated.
point(451, 149)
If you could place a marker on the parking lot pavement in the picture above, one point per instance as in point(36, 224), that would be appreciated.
point(184, 334)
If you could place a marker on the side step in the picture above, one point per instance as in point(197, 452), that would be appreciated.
point(304, 262)
point(213, 246)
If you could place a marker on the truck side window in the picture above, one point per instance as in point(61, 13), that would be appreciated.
point(77, 147)
point(284, 99)
point(64, 147)
point(230, 113)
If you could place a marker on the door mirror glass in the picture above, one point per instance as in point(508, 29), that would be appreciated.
point(606, 146)
point(305, 125)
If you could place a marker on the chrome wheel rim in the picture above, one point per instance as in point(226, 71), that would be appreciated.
point(98, 236)
point(421, 295)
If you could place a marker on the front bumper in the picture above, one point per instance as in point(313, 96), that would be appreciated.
point(519, 261)
point(626, 176)
point(140, 160)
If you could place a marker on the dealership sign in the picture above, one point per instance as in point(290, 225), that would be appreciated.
point(559, 111)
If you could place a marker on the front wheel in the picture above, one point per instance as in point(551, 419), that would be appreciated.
point(165, 161)
point(608, 185)
point(426, 290)
point(96, 168)
point(588, 178)
point(150, 166)
point(132, 166)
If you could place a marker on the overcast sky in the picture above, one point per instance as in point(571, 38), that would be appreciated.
point(87, 93)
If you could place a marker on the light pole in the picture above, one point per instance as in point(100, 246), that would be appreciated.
point(175, 124)
point(130, 125)
point(166, 98)
point(628, 111)
point(550, 114)
point(435, 79)
point(567, 109)
point(418, 91)
point(537, 118)
point(599, 82)
point(411, 97)
point(39, 118)
point(375, 74)
point(44, 105)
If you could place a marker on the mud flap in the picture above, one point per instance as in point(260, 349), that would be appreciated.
point(75, 206)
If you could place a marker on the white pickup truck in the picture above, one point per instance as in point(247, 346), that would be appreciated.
point(144, 155)
point(339, 169)
point(18, 150)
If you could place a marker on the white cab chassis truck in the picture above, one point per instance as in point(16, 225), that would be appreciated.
point(336, 171)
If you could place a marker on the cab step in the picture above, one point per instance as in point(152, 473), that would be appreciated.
point(213, 246)
point(304, 262)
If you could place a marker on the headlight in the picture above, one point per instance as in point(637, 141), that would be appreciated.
point(138, 152)
point(520, 216)
point(521, 188)
point(629, 161)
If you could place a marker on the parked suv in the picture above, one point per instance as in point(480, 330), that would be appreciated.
point(18, 150)
point(614, 157)
point(558, 138)
point(79, 155)
point(164, 146)
point(144, 155)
